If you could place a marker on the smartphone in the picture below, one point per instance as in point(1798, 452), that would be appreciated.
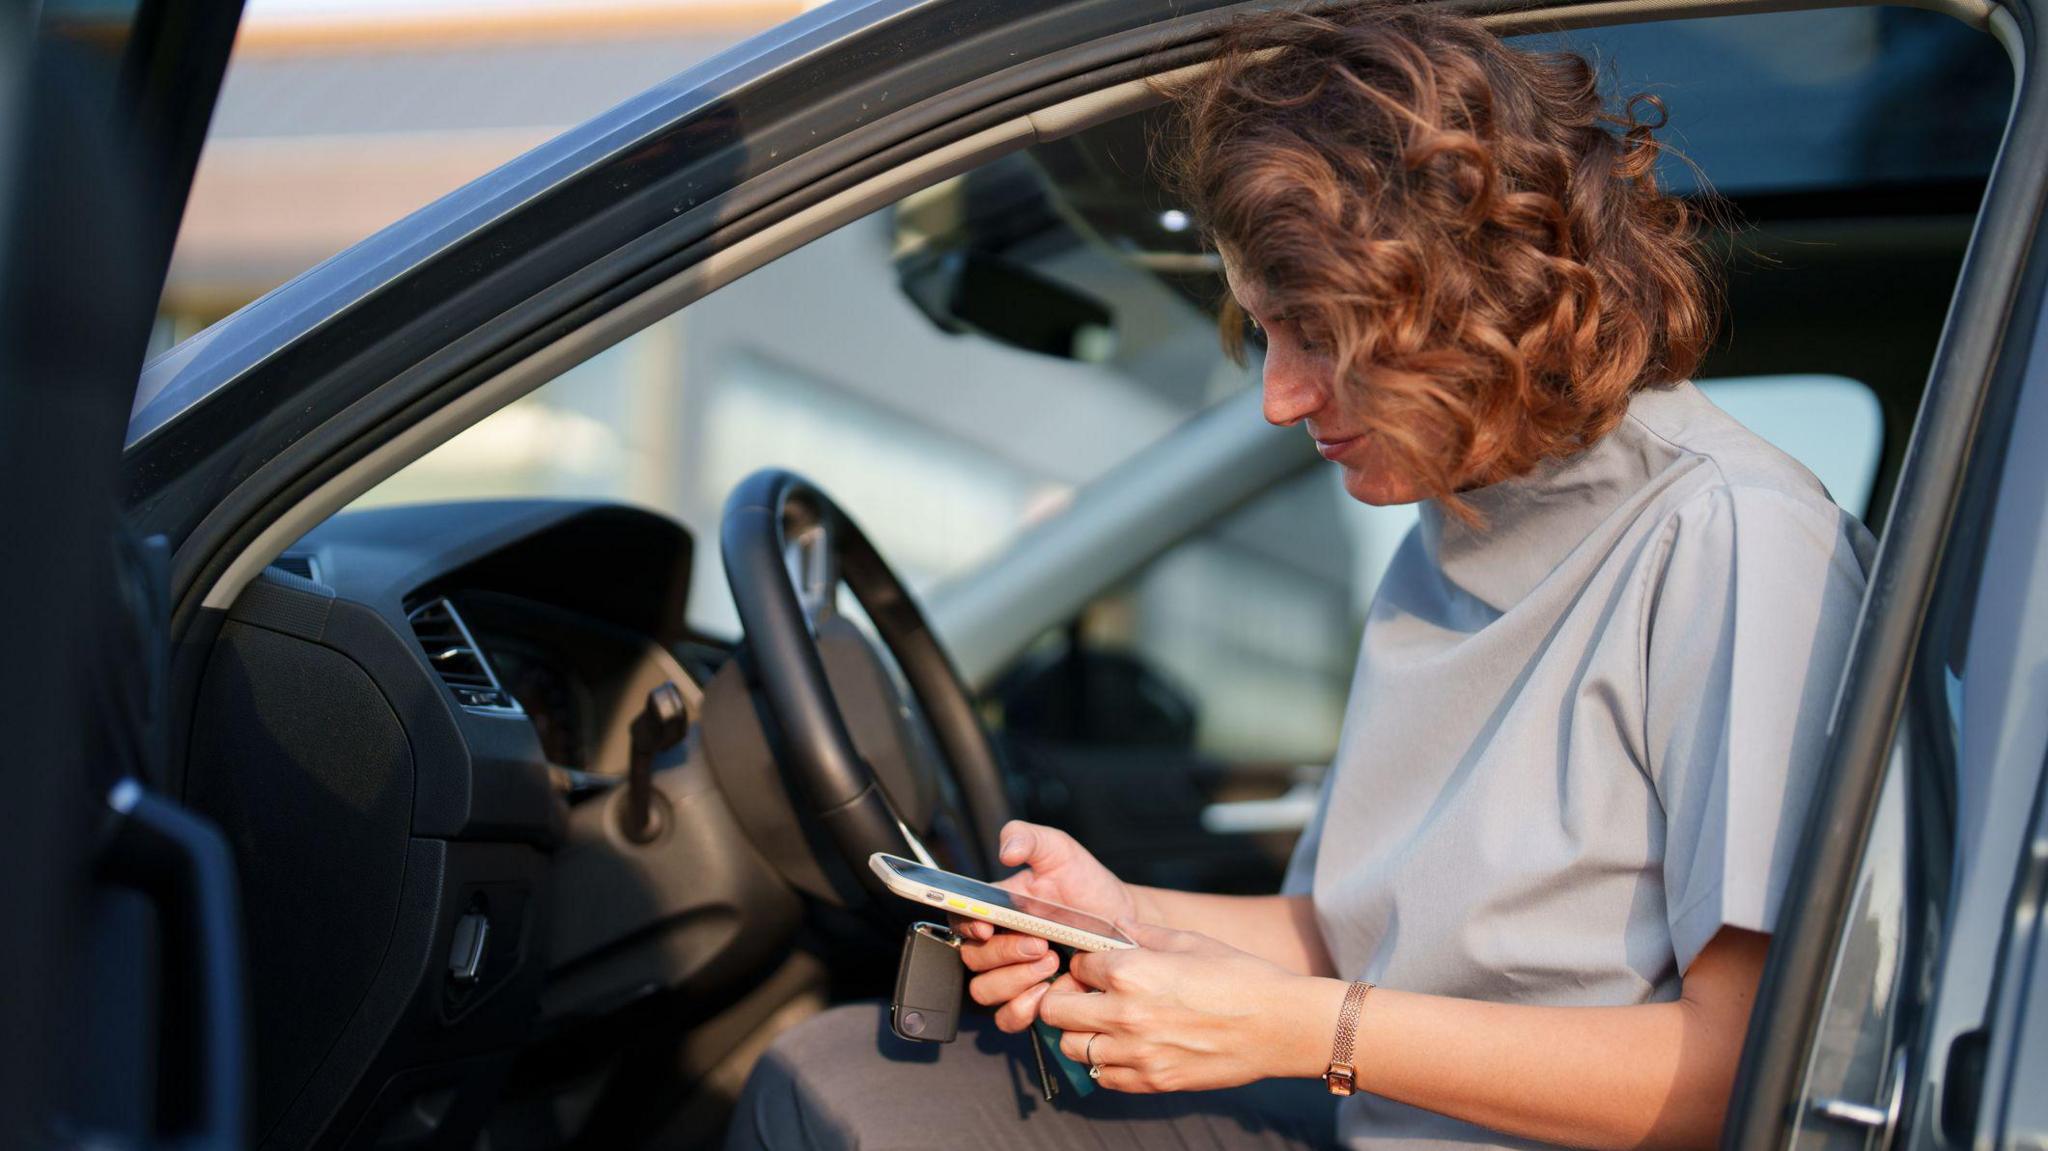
point(974, 899)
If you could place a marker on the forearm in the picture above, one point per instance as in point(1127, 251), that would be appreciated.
point(1280, 929)
point(1580, 1076)
point(1653, 1075)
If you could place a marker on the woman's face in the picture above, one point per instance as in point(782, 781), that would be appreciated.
point(1300, 388)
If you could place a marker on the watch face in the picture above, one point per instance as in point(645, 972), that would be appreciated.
point(1339, 1080)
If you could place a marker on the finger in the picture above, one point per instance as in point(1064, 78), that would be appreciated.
point(1018, 839)
point(1069, 1011)
point(1101, 969)
point(967, 928)
point(1153, 937)
point(1129, 1080)
point(1035, 846)
point(1074, 1045)
point(1022, 1010)
point(1067, 982)
point(1004, 950)
point(1007, 983)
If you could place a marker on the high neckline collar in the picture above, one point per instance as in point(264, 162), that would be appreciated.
point(1532, 522)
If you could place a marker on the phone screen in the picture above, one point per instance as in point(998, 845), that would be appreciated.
point(990, 894)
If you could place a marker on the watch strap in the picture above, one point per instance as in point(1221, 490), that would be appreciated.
point(1341, 1076)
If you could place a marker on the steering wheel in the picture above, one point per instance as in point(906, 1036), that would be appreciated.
point(787, 547)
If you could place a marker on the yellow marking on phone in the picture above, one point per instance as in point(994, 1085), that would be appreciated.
point(956, 902)
point(977, 909)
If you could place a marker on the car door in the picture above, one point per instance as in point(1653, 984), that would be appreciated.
point(120, 952)
point(1891, 1009)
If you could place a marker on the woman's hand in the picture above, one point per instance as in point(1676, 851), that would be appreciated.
point(1187, 1013)
point(1013, 968)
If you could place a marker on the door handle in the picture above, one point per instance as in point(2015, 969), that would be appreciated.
point(181, 863)
point(1883, 1120)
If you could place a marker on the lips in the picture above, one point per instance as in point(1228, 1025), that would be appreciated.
point(1332, 447)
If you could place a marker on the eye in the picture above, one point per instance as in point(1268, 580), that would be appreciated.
point(1254, 333)
point(1302, 338)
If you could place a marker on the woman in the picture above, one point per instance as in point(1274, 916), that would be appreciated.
point(1592, 690)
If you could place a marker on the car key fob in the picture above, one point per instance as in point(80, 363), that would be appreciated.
point(929, 982)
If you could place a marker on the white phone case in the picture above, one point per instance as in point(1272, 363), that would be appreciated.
point(937, 897)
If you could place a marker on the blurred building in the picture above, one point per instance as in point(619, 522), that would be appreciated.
point(332, 124)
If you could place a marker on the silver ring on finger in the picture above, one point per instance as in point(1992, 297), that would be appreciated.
point(1088, 1052)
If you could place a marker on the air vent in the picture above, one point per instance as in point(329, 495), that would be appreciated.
point(300, 565)
point(457, 659)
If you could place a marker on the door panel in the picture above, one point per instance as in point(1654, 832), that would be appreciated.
point(120, 956)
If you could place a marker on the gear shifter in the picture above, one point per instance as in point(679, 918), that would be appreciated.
point(661, 725)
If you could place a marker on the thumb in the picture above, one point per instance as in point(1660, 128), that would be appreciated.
point(1033, 845)
point(1153, 937)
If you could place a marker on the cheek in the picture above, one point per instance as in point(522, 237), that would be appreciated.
point(1373, 479)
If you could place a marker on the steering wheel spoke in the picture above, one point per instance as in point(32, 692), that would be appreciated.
point(813, 564)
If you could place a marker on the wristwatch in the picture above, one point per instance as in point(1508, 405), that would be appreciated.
point(1341, 1077)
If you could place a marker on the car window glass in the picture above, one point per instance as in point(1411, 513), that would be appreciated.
point(946, 390)
point(1181, 724)
point(1859, 78)
point(1860, 1017)
point(338, 117)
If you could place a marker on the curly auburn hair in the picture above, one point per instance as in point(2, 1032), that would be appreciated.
point(1482, 243)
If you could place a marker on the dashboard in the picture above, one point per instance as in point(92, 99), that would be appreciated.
point(412, 730)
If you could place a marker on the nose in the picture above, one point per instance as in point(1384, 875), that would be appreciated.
point(1293, 390)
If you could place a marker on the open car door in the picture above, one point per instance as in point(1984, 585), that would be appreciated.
point(120, 955)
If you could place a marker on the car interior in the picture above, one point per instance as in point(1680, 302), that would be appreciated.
point(498, 723)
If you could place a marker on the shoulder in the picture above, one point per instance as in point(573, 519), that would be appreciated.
point(1702, 438)
point(1725, 485)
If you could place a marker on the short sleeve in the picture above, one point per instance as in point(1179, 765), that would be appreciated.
point(1746, 630)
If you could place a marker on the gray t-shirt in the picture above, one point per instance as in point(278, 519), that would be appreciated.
point(1583, 738)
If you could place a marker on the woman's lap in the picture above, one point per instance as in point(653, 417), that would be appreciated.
point(842, 1081)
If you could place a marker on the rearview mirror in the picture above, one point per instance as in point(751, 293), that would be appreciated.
point(967, 291)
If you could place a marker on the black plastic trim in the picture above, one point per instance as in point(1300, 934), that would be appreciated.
point(181, 861)
point(482, 777)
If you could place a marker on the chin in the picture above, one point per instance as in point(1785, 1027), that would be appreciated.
point(1375, 486)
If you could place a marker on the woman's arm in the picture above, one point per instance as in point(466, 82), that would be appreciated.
point(1186, 1013)
point(1011, 969)
point(1278, 928)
